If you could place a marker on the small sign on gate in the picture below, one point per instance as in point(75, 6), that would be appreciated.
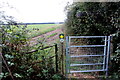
point(61, 36)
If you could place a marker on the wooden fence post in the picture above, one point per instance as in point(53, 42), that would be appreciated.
point(56, 57)
point(61, 36)
point(0, 49)
point(62, 58)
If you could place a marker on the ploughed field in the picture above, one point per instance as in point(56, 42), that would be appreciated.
point(48, 33)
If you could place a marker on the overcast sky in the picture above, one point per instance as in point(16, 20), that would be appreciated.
point(37, 10)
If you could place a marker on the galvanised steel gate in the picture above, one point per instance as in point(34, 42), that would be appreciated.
point(87, 53)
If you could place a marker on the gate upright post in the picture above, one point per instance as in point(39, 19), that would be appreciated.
point(105, 50)
point(67, 53)
point(108, 55)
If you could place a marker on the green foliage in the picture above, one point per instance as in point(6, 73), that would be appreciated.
point(30, 67)
point(58, 77)
point(96, 19)
point(115, 60)
point(92, 19)
point(25, 66)
point(13, 37)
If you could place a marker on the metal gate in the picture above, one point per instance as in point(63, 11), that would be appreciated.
point(87, 53)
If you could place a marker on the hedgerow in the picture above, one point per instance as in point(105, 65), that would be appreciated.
point(20, 62)
point(96, 19)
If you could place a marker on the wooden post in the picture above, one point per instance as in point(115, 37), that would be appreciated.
point(0, 49)
point(62, 55)
point(56, 58)
point(61, 36)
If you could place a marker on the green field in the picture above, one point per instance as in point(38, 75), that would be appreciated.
point(36, 30)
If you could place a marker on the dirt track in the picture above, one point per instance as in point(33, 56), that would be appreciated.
point(52, 39)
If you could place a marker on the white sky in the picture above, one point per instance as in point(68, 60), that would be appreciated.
point(37, 10)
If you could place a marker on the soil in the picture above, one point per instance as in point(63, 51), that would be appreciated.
point(52, 39)
point(83, 76)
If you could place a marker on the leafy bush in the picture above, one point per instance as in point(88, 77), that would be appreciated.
point(92, 19)
point(96, 19)
point(116, 64)
point(24, 65)
point(18, 63)
point(115, 60)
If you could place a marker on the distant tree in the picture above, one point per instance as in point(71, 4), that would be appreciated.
point(4, 18)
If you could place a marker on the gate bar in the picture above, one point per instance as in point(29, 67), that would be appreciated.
point(86, 64)
point(89, 46)
point(86, 56)
point(86, 71)
point(86, 36)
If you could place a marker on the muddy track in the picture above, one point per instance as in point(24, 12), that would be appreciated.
point(83, 76)
point(52, 39)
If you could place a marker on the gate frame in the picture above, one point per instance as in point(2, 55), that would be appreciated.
point(106, 54)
